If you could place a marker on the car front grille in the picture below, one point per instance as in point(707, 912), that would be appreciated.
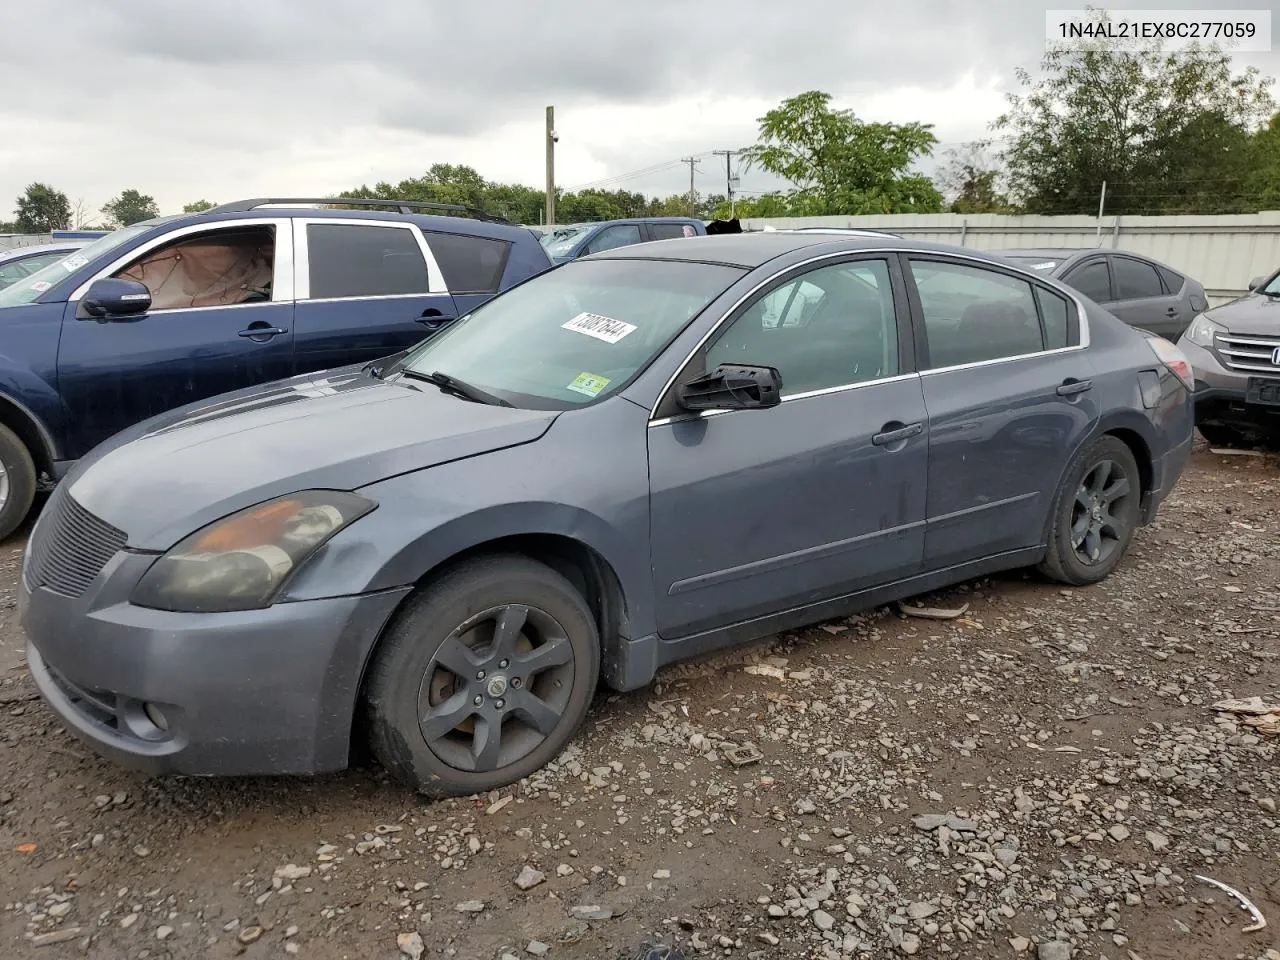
point(70, 546)
point(1255, 354)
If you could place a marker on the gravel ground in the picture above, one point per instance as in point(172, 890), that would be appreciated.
point(1043, 776)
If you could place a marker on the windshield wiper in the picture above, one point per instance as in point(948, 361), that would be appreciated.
point(459, 387)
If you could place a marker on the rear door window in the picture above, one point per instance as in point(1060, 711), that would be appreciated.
point(1135, 280)
point(1173, 280)
point(972, 314)
point(610, 238)
point(1093, 280)
point(469, 264)
point(671, 231)
point(355, 260)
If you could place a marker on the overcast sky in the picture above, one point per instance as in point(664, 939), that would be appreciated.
point(244, 98)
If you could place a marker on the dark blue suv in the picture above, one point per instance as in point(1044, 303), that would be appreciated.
point(177, 309)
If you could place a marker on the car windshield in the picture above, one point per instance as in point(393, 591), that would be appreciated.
point(560, 240)
point(29, 288)
point(1038, 264)
point(1273, 288)
point(574, 334)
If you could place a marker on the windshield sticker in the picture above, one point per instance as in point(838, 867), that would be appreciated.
point(588, 384)
point(1047, 265)
point(73, 263)
point(602, 328)
point(40, 286)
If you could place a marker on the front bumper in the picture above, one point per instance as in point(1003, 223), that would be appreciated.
point(259, 692)
point(1222, 395)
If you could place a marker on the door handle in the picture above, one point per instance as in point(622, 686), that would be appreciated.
point(434, 321)
point(1072, 387)
point(1171, 312)
point(895, 432)
point(253, 333)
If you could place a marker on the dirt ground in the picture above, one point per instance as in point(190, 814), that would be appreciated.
point(1043, 776)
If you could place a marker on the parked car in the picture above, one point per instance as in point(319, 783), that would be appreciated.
point(613, 466)
point(1140, 291)
point(574, 240)
point(178, 309)
point(1234, 350)
point(20, 262)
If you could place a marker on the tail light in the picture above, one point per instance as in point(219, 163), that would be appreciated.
point(1174, 359)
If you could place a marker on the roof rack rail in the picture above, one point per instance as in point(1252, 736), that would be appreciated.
point(403, 206)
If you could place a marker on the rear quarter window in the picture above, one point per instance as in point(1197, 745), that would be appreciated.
point(1173, 280)
point(470, 264)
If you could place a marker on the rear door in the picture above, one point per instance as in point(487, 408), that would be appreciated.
point(1142, 301)
point(669, 230)
point(221, 318)
point(1007, 386)
point(1092, 277)
point(366, 289)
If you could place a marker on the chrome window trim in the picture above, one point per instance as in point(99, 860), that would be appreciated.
point(282, 275)
point(807, 394)
point(302, 256)
point(1082, 321)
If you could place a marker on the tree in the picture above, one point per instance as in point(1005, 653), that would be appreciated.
point(840, 164)
point(130, 207)
point(42, 209)
point(1168, 133)
point(200, 206)
point(1263, 185)
point(971, 181)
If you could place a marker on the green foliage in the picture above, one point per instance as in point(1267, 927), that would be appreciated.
point(972, 181)
point(1169, 133)
point(200, 206)
point(42, 209)
point(129, 208)
point(839, 164)
point(1263, 183)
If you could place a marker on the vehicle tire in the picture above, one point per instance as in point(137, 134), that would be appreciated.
point(1095, 513)
point(1221, 436)
point(483, 677)
point(17, 481)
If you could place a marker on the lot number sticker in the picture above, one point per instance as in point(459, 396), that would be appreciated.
point(74, 263)
point(602, 328)
point(589, 384)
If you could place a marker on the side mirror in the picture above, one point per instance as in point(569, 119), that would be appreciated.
point(733, 387)
point(109, 298)
point(1256, 283)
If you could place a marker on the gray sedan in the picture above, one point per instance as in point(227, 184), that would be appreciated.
point(1140, 291)
point(640, 456)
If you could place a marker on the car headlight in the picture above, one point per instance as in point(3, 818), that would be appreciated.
point(1203, 330)
point(241, 561)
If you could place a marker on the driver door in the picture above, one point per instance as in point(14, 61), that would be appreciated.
point(755, 512)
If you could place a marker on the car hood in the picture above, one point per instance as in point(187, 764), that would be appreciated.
point(1253, 313)
point(169, 476)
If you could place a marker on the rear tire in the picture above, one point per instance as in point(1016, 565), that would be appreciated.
point(1095, 514)
point(17, 482)
point(483, 677)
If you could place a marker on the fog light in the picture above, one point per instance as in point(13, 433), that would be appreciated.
point(156, 716)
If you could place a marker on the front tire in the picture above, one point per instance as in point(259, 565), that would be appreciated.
point(17, 482)
point(1095, 514)
point(483, 677)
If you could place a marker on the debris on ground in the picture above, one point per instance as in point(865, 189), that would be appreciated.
point(1259, 921)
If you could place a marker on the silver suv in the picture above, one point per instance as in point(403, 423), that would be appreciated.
point(1235, 352)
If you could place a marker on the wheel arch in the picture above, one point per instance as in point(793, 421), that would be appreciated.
point(32, 432)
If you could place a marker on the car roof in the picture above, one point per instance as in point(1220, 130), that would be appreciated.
point(1058, 253)
point(751, 250)
point(436, 224)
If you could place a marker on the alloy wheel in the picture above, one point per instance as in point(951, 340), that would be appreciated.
point(1099, 513)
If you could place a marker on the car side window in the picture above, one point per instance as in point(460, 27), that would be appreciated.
point(350, 260)
point(1173, 280)
point(621, 235)
point(1055, 313)
point(1093, 280)
point(973, 314)
point(15, 270)
point(217, 268)
point(1135, 280)
point(829, 327)
point(670, 231)
point(470, 264)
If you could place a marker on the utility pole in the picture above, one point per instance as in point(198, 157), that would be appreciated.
point(693, 196)
point(551, 166)
point(728, 175)
point(1102, 203)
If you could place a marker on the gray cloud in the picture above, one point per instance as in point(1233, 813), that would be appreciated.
point(193, 96)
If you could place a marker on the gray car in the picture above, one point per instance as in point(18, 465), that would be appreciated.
point(1140, 291)
point(632, 459)
point(1235, 352)
point(21, 262)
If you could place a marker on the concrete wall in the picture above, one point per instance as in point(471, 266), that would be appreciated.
point(10, 240)
point(1223, 253)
